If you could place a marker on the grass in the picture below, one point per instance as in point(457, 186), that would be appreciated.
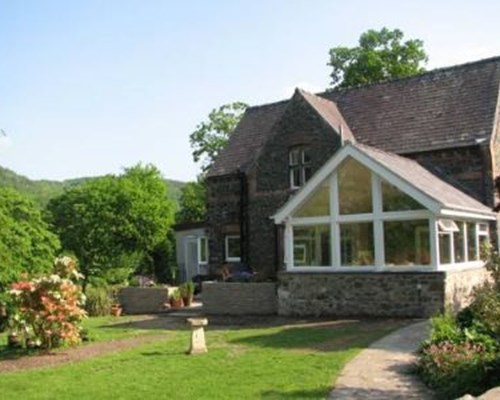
point(101, 329)
point(279, 362)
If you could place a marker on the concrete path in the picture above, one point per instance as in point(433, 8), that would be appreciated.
point(380, 372)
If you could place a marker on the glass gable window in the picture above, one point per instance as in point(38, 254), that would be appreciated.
point(394, 199)
point(318, 204)
point(407, 242)
point(356, 244)
point(299, 162)
point(311, 246)
point(355, 194)
point(358, 218)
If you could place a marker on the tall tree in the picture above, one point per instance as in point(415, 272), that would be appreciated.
point(211, 136)
point(380, 56)
point(192, 202)
point(113, 223)
point(26, 244)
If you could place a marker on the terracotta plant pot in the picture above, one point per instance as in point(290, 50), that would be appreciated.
point(187, 300)
point(176, 303)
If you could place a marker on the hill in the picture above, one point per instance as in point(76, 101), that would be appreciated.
point(41, 191)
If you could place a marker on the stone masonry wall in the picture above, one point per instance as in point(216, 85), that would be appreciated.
point(460, 285)
point(382, 294)
point(223, 215)
point(377, 294)
point(234, 298)
point(136, 300)
point(269, 180)
point(470, 167)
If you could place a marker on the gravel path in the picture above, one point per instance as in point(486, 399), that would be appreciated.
point(74, 354)
point(381, 371)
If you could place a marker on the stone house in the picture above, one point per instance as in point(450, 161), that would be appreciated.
point(372, 200)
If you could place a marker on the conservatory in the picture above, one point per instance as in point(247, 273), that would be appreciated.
point(368, 210)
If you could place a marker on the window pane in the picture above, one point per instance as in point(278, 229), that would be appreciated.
point(203, 250)
point(295, 177)
point(394, 199)
point(306, 157)
point(233, 247)
point(307, 173)
point(472, 253)
point(311, 246)
point(444, 248)
point(356, 244)
point(294, 157)
point(483, 239)
point(407, 242)
point(459, 243)
point(355, 193)
point(318, 204)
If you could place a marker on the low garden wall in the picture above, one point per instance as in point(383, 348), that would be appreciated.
point(460, 285)
point(239, 298)
point(137, 300)
point(379, 294)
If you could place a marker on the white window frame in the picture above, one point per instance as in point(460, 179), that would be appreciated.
point(200, 244)
point(226, 242)
point(432, 211)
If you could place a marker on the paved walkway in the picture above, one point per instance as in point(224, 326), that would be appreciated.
point(380, 372)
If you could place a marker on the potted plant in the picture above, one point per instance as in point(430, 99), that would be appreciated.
point(187, 292)
point(175, 299)
point(116, 308)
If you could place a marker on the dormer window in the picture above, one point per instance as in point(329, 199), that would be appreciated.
point(299, 161)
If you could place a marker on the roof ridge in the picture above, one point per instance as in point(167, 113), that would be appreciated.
point(409, 78)
point(327, 92)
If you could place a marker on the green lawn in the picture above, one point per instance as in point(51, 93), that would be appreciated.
point(287, 362)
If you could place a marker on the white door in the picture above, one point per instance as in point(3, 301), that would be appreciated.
point(191, 258)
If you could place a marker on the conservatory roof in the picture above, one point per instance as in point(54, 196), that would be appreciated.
point(407, 175)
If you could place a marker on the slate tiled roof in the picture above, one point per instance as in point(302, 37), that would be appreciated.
point(419, 177)
point(248, 138)
point(443, 108)
point(329, 111)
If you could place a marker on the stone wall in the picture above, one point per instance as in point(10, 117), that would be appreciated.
point(460, 285)
point(469, 167)
point(223, 215)
point(378, 294)
point(269, 180)
point(238, 298)
point(135, 300)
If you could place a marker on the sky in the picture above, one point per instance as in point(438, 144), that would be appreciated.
point(90, 86)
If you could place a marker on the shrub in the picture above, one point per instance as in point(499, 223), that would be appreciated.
point(454, 369)
point(99, 300)
point(187, 289)
point(463, 352)
point(49, 308)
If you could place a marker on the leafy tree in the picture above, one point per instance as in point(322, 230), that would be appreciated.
point(113, 223)
point(211, 136)
point(380, 56)
point(26, 244)
point(192, 203)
